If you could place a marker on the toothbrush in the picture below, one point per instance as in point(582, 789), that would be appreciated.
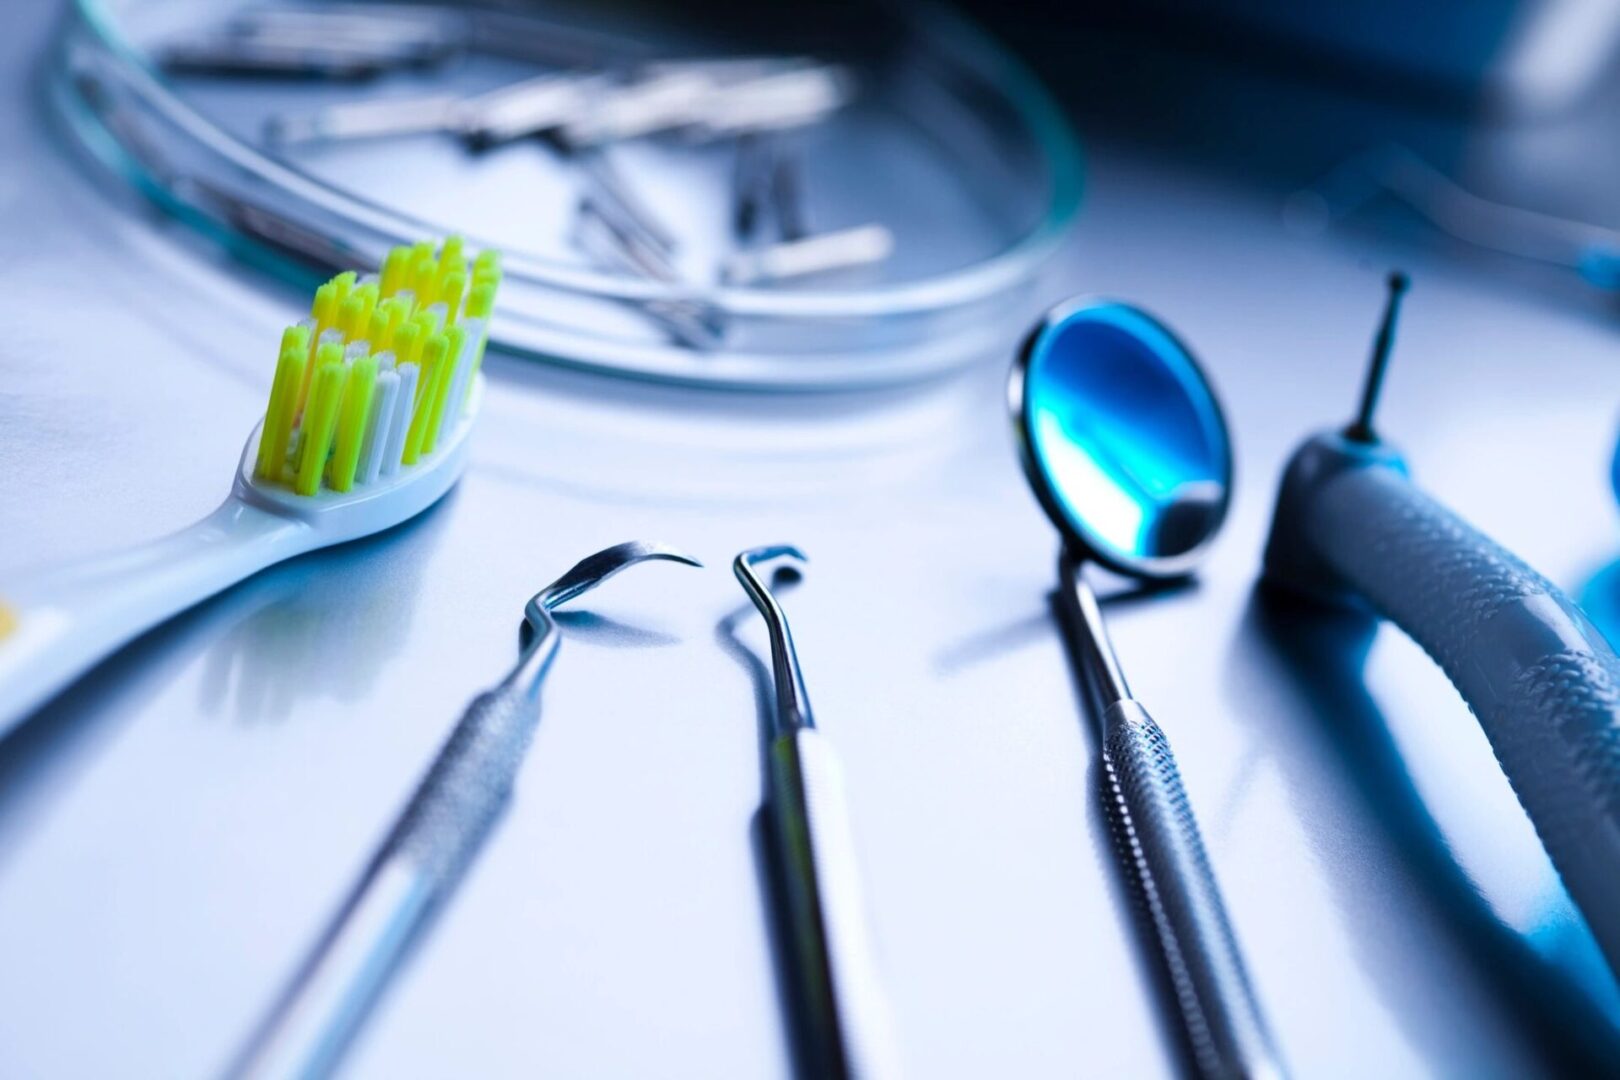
point(1351, 528)
point(370, 408)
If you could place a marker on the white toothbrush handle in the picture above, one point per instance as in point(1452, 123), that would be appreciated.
point(59, 623)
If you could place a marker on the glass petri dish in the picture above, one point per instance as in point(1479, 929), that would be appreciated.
point(945, 143)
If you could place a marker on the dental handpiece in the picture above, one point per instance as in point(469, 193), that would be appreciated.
point(1351, 528)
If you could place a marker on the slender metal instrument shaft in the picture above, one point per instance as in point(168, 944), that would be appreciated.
point(846, 1012)
point(423, 858)
point(1158, 841)
point(443, 826)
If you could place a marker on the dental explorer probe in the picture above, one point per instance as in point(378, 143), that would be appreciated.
point(428, 849)
point(847, 1013)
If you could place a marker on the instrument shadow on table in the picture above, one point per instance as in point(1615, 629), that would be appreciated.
point(245, 638)
point(1317, 656)
point(987, 644)
point(298, 634)
point(770, 869)
point(1124, 889)
point(589, 627)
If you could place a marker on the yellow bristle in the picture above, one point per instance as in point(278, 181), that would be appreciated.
point(480, 305)
point(393, 269)
point(325, 307)
point(367, 293)
point(395, 309)
point(328, 352)
point(343, 284)
point(424, 270)
point(458, 267)
point(488, 259)
point(325, 311)
point(431, 322)
point(449, 264)
point(477, 363)
point(433, 359)
point(278, 415)
point(408, 345)
point(320, 418)
point(454, 340)
point(359, 385)
point(350, 315)
point(295, 337)
point(485, 279)
point(450, 292)
point(452, 248)
point(377, 330)
point(481, 301)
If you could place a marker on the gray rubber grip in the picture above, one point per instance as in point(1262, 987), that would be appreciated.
point(1541, 679)
point(1159, 840)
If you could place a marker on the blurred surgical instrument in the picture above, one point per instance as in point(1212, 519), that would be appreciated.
point(1591, 250)
point(819, 253)
point(500, 116)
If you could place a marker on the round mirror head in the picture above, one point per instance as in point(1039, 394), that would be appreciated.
point(1121, 438)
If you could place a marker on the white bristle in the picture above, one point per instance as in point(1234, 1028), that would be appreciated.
point(295, 445)
point(463, 375)
point(357, 350)
point(385, 360)
point(394, 451)
point(378, 425)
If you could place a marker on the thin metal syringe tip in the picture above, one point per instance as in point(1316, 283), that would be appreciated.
point(1361, 429)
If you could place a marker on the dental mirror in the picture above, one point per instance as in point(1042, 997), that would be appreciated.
point(1123, 441)
point(1122, 438)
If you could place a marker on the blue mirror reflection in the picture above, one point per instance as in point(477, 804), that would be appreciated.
point(1126, 434)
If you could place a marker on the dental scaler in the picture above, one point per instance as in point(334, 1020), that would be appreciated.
point(1352, 529)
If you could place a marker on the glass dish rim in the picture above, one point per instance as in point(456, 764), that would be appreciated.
point(977, 281)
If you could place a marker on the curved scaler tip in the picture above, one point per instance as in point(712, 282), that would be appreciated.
point(592, 570)
point(792, 700)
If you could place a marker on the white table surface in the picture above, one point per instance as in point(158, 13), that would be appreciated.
point(176, 828)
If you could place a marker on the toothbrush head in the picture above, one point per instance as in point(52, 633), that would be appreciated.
point(375, 392)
